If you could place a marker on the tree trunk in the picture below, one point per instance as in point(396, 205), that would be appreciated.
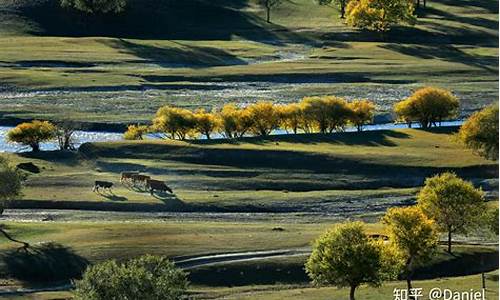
point(449, 241)
point(342, 10)
point(35, 147)
point(268, 14)
point(351, 293)
point(425, 3)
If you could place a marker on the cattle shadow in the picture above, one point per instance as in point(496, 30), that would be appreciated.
point(110, 195)
point(43, 263)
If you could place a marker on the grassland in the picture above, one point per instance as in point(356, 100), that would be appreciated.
point(129, 66)
point(344, 173)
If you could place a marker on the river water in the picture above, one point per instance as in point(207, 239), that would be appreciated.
point(81, 137)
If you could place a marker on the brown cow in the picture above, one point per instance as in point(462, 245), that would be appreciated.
point(125, 176)
point(157, 185)
point(138, 178)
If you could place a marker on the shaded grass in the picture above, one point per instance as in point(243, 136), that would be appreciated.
point(337, 173)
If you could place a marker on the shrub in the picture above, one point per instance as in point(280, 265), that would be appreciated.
point(147, 277)
point(175, 122)
point(427, 106)
point(135, 132)
point(32, 133)
point(480, 132)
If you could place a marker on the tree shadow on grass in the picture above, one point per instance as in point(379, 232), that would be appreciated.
point(177, 55)
point(367, 138)
point(44, 263)
point(156, 19)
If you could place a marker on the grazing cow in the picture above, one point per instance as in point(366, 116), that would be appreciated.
point(102, 184)
point(157, 185)
point(138, 178)
point(125, 176)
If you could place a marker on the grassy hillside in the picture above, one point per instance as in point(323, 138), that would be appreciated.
point(55, 64)
point(345, 173)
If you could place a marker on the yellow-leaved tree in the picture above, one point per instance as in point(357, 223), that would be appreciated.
point(362, 112)
point(413, 234)
point(206, 122)
point(32, 133)
point(136, 132)
point(428, 106)
point(379, 15)
point(235, 121)
point(265, 117)
point(480, 132)
point(175, 122)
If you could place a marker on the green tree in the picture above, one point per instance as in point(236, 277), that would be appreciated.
point(265, 117)
point(453, 203)
point(379, 15)
point(428, 106)
point(362, 112)
point(413, 234)
point(346, 257)
point(96, 6)
point(32, 133)
point(136, 132)
point(480, 132)
point(10, 188)
point(341, 3)
point(147, 277)
point(175, 122)
point(270, 5)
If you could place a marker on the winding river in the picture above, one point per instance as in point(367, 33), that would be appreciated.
point(81, 137)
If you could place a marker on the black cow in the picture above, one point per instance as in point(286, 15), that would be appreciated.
point(157, 185)
point(102, 184)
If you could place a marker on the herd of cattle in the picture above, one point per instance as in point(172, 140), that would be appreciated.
point(137, 180)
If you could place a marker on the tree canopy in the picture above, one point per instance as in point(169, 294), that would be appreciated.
point(346, 257)
point(136, 132)
point(413, 234)
point(379, 15)
point(32, 133)
point(362, 112)
point(453, 203)
point(146, 277)
point(96, 6)
point(480, 132)
point(175, 122)
point(428, 106)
